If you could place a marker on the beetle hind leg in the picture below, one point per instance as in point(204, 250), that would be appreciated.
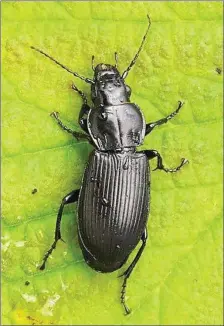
point(70, 198)
point(129, 270)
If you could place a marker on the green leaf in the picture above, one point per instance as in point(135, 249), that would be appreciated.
point(178, 280)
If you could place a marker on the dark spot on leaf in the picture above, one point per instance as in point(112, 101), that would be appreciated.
point(218, 70)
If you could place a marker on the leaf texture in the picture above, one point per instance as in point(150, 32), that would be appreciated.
point(178, 280)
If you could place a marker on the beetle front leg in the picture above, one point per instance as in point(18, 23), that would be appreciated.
point(76, 134)
point(150, 126)
point(152, 154)
point(84, 109)
point(72, 197)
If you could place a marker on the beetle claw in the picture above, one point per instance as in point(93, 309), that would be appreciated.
point(42, 267)
point(184, 161)
point(181, 103)
point(54, 114)
point(74, 87)
point(127, 310)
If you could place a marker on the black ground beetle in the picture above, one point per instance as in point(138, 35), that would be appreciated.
point(113, 202)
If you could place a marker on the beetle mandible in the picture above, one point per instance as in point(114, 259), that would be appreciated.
point(113, 202)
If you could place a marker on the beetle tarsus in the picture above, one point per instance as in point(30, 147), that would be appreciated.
point(161, 167)
point(153, 153)
point(123, 292)
point(129, 270)
point(48, 253)
point(150, 126)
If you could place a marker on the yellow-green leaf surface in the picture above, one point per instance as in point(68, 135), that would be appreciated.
point(178, 280)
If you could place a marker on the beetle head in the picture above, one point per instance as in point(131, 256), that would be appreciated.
point(109, 87)
point(105, 73)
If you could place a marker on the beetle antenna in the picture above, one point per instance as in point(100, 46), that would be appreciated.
point(125, 73)
point(87, 80)
point(116, 59)
point(93, 68)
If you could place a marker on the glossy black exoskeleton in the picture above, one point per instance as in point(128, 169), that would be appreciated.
point(113, 202)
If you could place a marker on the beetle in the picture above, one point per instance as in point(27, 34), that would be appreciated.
point(113, 202)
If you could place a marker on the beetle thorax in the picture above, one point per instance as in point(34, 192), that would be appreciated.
point(116, 127)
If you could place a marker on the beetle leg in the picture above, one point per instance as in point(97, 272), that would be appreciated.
point(152, 154)
point(83, 96)
point(76, 134)
point(150, 126)
point(84, 109)
point(72, 197)
point(128, 271)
